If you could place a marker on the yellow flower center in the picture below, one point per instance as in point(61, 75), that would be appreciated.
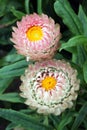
point(34, 33)
point(49, 83)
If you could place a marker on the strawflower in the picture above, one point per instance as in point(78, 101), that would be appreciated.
point(50, 86)
point(36, 37)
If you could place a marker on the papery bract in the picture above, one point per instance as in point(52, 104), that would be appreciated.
point(36, 37)
point(50, 86)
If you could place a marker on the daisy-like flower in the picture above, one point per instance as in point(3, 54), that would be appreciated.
point(36, 37)
point(50, 86)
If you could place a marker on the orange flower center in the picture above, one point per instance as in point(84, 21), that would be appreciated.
point(34, 33)
point(49, 83)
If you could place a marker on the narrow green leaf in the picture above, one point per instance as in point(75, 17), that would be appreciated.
point(64, 121)
point(12, 73)
point(3, 4)
point(39, 6)
point(11, 126)
point(10, 59)
point(4, 83)
point(16, 13)
point(24, 120)
point(15, 69)
point(11, 97)
point(81, 55)
point(75, 41)
point(85, 71)
point(84, 5)
point(27, 2)
point(70, 19)
point(55, 120)
point(14, 66)
point(85, 123)
point(5, 23)
point(80, 117)
point(83, 18)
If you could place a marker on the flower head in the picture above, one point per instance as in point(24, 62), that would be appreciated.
point(36, 36)
point(50, 86)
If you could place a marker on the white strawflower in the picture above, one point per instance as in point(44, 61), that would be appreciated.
point(50, 86)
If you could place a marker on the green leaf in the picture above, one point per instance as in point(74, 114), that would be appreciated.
point(84, 5)
point(83, 18)
point(80, 117)
point(85, 71)
point(75, 41)
point(24, 120)
point(27, 3)
point(66, 119)
point(16, 13)
point(6, 21)
point(81, 55)
point(3, 4)
point(39, 6)
point(4, 83)
point(55, 120)
point(76, 46)
point(85, 123)
point(70, 19)
point(11, 97)
point(15, 69)
point(10, 126)
point(10, 58)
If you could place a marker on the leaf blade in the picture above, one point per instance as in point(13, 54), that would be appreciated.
point(85, 71)
point(22, 119)
point(74, 41)
point(80, 118)
point(64, 10)
point(11, 97)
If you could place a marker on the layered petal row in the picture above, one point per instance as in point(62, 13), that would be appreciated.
point(50, 86)
point(36, 37)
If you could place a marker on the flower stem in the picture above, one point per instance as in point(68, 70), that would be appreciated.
point(27, 6)
point(46, 122)
point(39, 6)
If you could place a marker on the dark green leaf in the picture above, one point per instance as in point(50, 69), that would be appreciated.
point(10, 126)
point(27, 3)
point(11, 97)
point(80, 117)
point(75, 41)
point(83, 18)
point(4, 83)
point(55, 120)
point(16, 13)
point(15, 69)
point(66, 119)
point(12, 73)
point(64, 10)
point(85, 123)
point(3, 4)
point(85, 71)
point(24, 120)
point(10, 58)
point(81, 55)
point(39, 6)
point(84, 5)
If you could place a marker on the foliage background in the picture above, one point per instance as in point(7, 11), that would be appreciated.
point(72, 16)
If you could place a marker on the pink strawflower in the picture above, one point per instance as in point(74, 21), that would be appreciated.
point(36, 37)
point(50, 86)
